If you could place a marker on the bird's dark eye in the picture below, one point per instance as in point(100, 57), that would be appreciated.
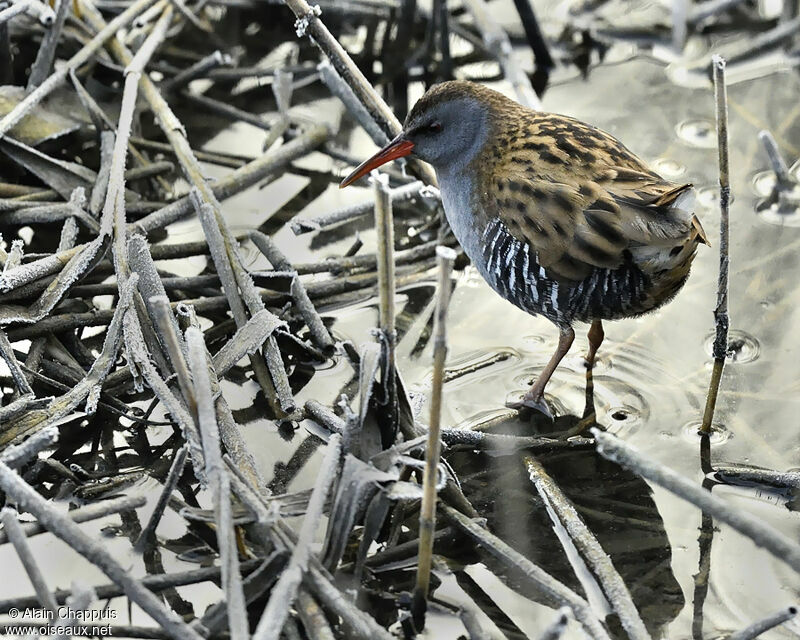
point(435, 127)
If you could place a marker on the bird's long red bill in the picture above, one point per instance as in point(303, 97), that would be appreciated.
point(397, 148)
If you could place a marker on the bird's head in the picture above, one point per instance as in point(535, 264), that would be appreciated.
point(446, 128)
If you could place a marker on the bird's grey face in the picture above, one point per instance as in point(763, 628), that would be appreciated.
point(448, 134)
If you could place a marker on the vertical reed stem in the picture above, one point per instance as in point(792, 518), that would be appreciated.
point(427, 517)
point(721, 311)
point(384, 226)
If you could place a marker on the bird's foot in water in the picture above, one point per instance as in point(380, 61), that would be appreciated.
point(528, 401)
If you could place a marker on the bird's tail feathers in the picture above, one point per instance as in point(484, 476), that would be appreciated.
point(698, 233)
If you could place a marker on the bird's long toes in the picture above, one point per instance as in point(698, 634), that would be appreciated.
point(528, 402)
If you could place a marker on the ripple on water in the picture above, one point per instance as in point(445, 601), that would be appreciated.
point(668, 168)
point(720, 434)
point(782, 210)
point(742, 347)
point(763, 183)
point(698, 133)
point(630, 386)
point(624, 413)
point(620, 406)
point(778, 206)
point(532, 342)
point(708, 197)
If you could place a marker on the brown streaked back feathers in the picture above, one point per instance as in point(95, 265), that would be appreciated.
point(576, 194)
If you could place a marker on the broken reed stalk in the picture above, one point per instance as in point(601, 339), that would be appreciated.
point(782, 176)
point(199, 68)
point(760, 626)
point(384, 226)
point(587, 545)
point(342, 90)
point(721, 310)
point(115, 195)
point(100, 187)
point(79, 59)
point(17, 375)
point(20, 454)
point(14, 10)
point(547, 584)
point(732, 474)
point(155, 583)
point(352, 212)
point(168, 332)
point(756, 529)
point(65, 529)
point(38, 10)
point(309, 24)
point(498, 43)
point(171, 481)
point(219, 482)
point(16, 535)
point(285, 590)
point(82, 514)
point(47, 49)
point(427, 516)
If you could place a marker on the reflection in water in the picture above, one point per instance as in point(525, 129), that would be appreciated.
point(704, 543)
point(613, 503)
point(616, 505)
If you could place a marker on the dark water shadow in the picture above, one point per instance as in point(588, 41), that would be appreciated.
point(616, 505)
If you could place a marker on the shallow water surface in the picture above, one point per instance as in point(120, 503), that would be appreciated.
point(650, 384)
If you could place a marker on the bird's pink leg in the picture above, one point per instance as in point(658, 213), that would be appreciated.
point(595, 335)
point(534, 398)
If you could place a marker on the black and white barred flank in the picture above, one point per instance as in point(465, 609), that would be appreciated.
point(513, 272)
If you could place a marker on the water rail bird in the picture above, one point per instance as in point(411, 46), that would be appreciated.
point(559, 217)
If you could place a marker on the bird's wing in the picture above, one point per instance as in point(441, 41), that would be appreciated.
point(574, 227)
point(653, 211)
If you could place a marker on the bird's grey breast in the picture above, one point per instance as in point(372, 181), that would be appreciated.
point(457, 190)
